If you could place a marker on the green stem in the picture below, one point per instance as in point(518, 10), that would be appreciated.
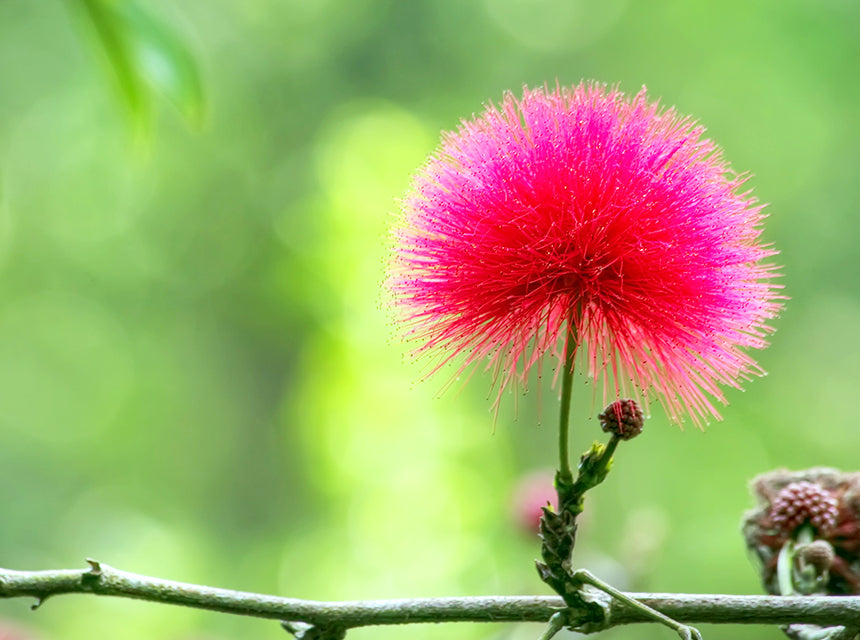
point(684, 631)
point(566, 392)
point(556, 624)
point(610, 450)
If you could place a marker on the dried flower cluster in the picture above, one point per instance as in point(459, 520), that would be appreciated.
point(826, 499)
point(583, 212)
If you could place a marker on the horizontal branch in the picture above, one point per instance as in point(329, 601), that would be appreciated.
point(100, 579)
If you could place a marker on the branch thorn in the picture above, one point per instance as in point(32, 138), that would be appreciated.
point(305, 631)
point(95, 567)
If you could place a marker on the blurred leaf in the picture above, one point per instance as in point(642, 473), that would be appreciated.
point(161, 57)
point(114, 37)
point(146, 54)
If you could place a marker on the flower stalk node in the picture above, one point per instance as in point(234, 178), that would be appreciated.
point(558, 533)
point(594, 465)
point(569, 497)
point(583, 577)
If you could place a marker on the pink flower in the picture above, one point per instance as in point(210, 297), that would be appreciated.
point(531, 494)
point(582, 210)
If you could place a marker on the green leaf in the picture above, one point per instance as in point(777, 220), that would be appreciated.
point(147, 56)
point(163, 59)
point(112, 35)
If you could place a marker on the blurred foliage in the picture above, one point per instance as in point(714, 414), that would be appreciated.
point(198, 376)
point(143, 53)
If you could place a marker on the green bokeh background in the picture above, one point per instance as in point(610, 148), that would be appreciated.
point(199, 379)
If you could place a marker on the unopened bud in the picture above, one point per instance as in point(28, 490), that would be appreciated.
point(623, 419)
point(818, 554)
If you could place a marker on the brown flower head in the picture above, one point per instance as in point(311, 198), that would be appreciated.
point(802, 502)
point(826, 499)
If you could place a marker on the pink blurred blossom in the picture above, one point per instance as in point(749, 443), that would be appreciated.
point(585, 203)
point(530, 495)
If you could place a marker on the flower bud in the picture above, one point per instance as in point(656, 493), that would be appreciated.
point(818, 554)
point(623, 419)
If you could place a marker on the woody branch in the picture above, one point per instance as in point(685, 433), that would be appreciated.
point(101, 579)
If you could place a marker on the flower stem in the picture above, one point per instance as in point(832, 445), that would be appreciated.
point(566, 393)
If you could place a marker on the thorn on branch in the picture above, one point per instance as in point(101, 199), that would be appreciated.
point(305, 631)
point(91, 576)
point(95, 567)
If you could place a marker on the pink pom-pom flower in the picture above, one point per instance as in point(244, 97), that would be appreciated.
point(583, 211)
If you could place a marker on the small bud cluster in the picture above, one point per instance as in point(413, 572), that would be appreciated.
point(623, 419)
point(801, 502)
